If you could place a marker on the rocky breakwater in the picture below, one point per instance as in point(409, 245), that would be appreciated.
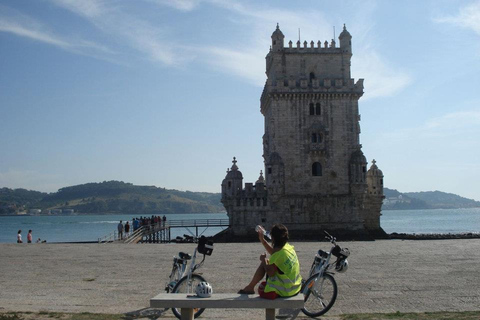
point(434, 236)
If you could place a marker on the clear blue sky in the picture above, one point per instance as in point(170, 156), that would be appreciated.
point(166, 92)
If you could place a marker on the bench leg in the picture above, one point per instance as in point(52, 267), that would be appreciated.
point(186, 313)
point(270, 314)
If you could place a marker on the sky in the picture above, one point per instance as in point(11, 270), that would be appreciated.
point(167, 92)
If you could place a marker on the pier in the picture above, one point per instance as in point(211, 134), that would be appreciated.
point(161, 232)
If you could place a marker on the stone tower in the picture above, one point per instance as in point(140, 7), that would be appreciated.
point(315, 171)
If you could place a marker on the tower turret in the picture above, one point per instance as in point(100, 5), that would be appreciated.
point(260, 185)
point(277, 39)
point(375, 180)
point(233, 182)
point(345, 40)
point(358, 172)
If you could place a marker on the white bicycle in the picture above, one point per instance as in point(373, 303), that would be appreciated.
point(320, 289)
point(183, 279)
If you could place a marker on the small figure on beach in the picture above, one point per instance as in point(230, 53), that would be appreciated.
point(39, 240)
point(29, 236)
point(19, 236)
point(120, 230)
point(282, 268)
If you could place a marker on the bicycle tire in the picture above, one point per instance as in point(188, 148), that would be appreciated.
point(182, 286)
point(318, 302)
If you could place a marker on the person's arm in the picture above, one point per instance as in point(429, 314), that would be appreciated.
point(270, 269)
point(266, 245)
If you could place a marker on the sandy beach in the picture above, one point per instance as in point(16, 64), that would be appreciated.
point(384, 276)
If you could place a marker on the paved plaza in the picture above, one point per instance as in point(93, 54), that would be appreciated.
point(384, 276)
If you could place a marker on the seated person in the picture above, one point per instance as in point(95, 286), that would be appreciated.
point(282, 269)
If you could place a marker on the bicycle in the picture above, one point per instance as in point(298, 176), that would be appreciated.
point(320, 289)
point(183, 279)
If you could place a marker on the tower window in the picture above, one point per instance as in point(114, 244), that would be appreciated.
point(312, 109)
point(229, 184)
point(269, 170)
point(318, 110)
point(317, 138)
point(316, 169)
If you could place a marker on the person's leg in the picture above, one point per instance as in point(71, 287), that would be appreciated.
point(257, 277)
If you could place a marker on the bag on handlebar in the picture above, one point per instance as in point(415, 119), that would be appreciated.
point(339, 252)
point(205, 246)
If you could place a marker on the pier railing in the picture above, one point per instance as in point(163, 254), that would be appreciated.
point(161, 231)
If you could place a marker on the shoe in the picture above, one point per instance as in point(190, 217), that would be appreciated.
point(245, 292)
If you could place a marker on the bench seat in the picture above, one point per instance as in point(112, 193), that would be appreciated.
point(224, 301)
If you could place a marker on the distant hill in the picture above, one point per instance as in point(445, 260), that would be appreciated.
point(113, 197)
point(11, 200)
point(395, 200)
point(122, 197)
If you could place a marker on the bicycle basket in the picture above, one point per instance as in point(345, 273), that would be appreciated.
point(336, 251)
point(205, 246)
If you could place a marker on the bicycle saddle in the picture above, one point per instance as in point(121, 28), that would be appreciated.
point(184, 256)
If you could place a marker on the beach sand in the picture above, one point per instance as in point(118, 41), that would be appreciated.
point(384, 276)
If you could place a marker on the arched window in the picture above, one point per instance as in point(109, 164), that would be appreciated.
point(312, 109)
point(318, 110)
point(314, 138)
point(316, 169)
point(312, 76)
point(229, 184)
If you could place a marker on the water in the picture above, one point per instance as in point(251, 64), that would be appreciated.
point(91, 227)
point(431, 221)
point(77, 228)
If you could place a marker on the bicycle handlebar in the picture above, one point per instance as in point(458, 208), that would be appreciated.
point(329, 237)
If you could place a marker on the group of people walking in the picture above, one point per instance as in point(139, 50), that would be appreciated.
point(125, 229)
point(29, 237)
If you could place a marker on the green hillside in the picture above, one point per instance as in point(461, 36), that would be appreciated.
point(438, 199)
point(121, 197)
point(395, 200)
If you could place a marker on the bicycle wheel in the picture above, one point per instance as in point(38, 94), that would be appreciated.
point(185, 286)
point(319, 295)
point(171, 281)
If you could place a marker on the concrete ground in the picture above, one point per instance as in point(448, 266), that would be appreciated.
point(384, 276)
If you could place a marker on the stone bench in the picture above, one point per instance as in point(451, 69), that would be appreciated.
point(224, 301)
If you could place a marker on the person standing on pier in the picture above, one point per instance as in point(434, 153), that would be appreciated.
point(120, 230)
point(127, 229)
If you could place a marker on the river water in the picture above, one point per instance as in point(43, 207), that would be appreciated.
point(76, 228)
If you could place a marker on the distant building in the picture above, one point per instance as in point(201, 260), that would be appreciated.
point(315, 171)
point(34, 211)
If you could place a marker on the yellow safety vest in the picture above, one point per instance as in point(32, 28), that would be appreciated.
point(289, 283)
